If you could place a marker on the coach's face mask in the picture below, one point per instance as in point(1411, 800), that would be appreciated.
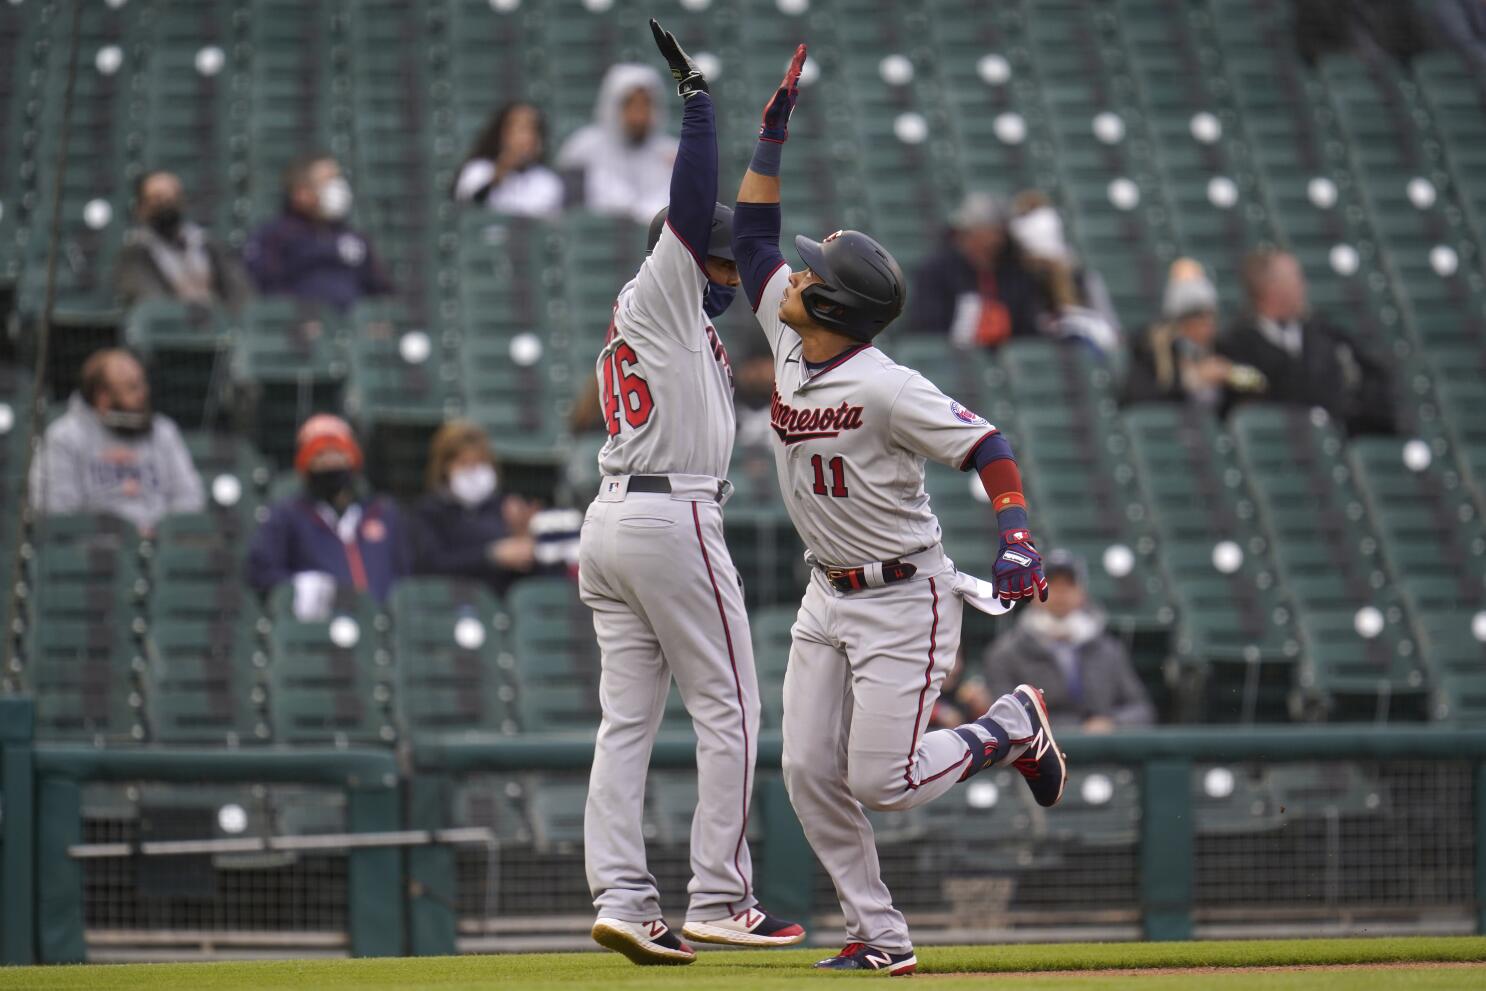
point(329, 486)
point(335, 198)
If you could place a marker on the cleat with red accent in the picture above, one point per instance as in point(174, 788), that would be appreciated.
point(750, 927)
point(1043, 764)
point(860, 956)
point(646, 943)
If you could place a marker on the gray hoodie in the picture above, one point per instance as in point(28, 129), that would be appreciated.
point(83, 467)
point(620, 177)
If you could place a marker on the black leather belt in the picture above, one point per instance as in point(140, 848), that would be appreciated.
point(855, 579)
point(650, 483)
point(661, 484)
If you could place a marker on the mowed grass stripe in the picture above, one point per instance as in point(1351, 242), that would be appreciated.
point(766, 970)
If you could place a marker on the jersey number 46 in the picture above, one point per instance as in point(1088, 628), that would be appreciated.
point(623, 389)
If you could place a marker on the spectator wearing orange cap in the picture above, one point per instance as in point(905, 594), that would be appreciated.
point(329, 535)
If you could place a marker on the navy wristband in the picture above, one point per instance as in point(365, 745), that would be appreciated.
point(1013, 518)
point(766, 157)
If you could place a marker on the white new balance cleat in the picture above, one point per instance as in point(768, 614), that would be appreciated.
point(646, 943)
point(750, 927)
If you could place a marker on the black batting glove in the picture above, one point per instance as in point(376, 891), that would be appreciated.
point(689, 78)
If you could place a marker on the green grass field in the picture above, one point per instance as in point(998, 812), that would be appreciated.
point(1192, 966)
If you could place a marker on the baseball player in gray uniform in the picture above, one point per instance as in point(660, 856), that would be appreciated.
point(879, 626)
point(666, 599)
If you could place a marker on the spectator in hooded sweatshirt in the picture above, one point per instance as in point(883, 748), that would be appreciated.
point(1061, 646)
point(332, 533)
point(504, 171)
point(624, 157)
point(166, 256)
point(110, 454)
point(1073, 300)
point(465, 525)
point(309, 251)
point(976, 288)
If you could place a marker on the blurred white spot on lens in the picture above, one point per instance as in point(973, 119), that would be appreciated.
point(710, 65)
point(792, 7)
point(1097, 789)
point(1421, 193)
point(911, 128)
point(526, 349)
point(1119, 560)
point(1010, 128)
point(97, 214)
point(1205, 127)
point(1368, 622)
point(1124, 194)
point(1478, 626)
point(209, 60)
point(1222, 192)
point(504, 6)
point(598, 6)
point(993, 69)
point(1343, 259)
point(982, 794)
point(810, 72)
point(1417, 456)
point(114, 4)
point(1443, 260)
point(226, 490)
point(1109, 128)
point(1321, 192)
point(895, 69)
point(7, 421)
point(1217, 782)
point(469, 633)
point(232, 818)
point(344, 631)
point(696, 4)
point(108, 59)
point(414, 347)
point(977, 489)
point(1227, 556)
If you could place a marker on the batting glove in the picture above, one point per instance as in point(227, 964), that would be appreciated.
point(776, 114)
point(689, 78)
point(1018, 570)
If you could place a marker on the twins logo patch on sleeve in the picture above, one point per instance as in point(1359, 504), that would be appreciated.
point(968, 416)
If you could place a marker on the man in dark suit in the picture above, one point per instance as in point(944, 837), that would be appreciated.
point(1084, 672)
point(1305, 359)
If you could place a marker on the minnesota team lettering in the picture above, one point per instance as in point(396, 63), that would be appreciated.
point(794, 425)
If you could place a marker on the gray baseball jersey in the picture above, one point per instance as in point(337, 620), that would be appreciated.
point(664, 379)
point(853, 438)
point(666, 599)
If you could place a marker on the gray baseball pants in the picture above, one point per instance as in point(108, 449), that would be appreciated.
point(667, 602)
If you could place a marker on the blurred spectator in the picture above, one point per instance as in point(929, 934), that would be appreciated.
point(109, 453)
point(167, 256)
point(1174, 360)
point(753, 392)
point(976, 288)
point(465, 526)
point(1370, 29)
point(504, 169)
point(309, 251)
point(1072, 298)
point(330, 534)
point(1461, 24)
point(624, 157)
point(1061, 647)
point(1304, 359)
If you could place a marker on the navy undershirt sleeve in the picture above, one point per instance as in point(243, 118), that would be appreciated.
point(694, 177)
point(756, 246)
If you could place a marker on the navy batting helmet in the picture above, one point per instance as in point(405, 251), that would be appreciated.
point(861, 289)
point(720, 245)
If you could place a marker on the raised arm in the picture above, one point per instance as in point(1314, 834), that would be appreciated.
point(756, 222)
point(694, 175)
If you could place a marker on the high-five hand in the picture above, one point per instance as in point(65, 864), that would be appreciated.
point(689, 78)
point(776, 113)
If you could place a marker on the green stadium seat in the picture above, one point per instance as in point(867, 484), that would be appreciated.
point(205, 680)
point(453, 669)
point(189, 354)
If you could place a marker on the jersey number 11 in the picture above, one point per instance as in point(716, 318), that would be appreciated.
point(838, 476)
